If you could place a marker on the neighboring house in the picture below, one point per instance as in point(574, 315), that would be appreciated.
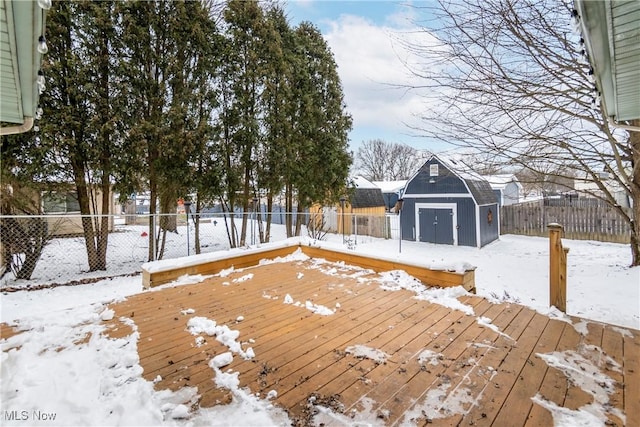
point(63, 210)
point(391, 191)
point(506, 187)
point(588, 188)
point(361, 212)
point(446, 202)
point(364, 210)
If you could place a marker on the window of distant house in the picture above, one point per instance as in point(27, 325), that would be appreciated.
point(60, 202)
point(433, 169)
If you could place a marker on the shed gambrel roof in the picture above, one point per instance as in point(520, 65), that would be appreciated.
point(478, 186)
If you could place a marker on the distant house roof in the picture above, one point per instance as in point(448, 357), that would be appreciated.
point(500, 182)
point(391, 186)
point(365, 194)
point(477, 185)
point(361, 182)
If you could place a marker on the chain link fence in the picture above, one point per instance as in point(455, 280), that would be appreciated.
point(45, 250)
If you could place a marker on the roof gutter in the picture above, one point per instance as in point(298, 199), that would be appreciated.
point(629, 128)
point(24, 127)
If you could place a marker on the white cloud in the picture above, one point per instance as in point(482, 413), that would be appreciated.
point(371, 62)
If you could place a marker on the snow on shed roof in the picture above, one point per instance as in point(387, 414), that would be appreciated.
point(391, 186)
point(500, 181)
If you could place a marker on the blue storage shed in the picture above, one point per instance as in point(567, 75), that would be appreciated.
point(446, 202)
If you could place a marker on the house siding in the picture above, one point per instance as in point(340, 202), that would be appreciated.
point(511, 194)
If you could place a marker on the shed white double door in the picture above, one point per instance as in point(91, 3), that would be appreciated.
point(436, 223)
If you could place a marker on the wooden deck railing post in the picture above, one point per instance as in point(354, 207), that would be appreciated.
point(557, 268)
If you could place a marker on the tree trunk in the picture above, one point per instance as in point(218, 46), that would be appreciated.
point(102, 238)
point(153, 194)
point(267, 233)
point(231, 225)
point(299, 219)
point(258, 218)
point(29, 237)
point(104, 112)
point(289, 211)
point(168, 220)
point(82, 192)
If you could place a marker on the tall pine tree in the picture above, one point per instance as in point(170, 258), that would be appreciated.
point(162, 66)
point(79, 119)
point(319, 161)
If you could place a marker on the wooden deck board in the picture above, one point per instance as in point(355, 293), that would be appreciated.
point(455, 374)
point(631, 373)
point(459, 374)
point(612, 346)
point(300, 354)
point(508, 372)
point(479, 377)
point(554, 384)
point(8, 331)
point(576, 397)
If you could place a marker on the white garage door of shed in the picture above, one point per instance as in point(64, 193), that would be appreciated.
point(436, 223)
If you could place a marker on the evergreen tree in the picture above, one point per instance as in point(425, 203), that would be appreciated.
point(319, 162)
point(242, 134)
point(23, 239)
point(78, 120)
point(279, 111)
point(163, 64)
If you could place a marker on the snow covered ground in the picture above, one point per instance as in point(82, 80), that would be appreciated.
point(63, 371)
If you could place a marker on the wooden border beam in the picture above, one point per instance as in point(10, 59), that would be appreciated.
point(155, 275)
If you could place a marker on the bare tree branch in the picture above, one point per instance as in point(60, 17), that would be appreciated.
point(378, 160)
point(509, 80)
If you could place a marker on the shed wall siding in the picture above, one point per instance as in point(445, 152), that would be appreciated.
point(445, 183)
point(498, 194)
point(465, 217)
point(489, 231)
point(472, 196)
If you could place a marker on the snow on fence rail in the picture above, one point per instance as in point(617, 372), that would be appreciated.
point(51, 249)
point(581, 221)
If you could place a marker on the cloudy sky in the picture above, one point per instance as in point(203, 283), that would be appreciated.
point(365, 38)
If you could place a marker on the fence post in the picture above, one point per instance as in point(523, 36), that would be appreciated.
point(557, 268)
point(152, 238)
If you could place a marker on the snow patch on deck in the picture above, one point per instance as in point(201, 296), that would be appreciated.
point(364, 352)
point(582, 369)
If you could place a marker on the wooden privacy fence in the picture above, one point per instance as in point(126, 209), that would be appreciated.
point(582, 220)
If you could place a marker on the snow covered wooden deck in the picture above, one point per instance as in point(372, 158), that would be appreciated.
point(327, 336)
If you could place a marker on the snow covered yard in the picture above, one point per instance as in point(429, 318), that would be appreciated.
point(70, 364)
